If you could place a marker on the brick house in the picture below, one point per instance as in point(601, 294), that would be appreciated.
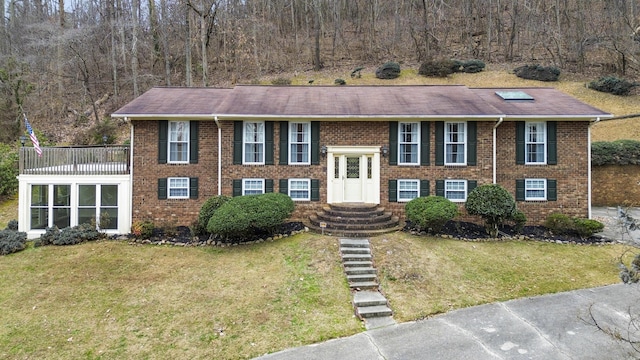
point(357, 144)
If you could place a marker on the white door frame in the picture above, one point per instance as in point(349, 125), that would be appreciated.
point(370, 186)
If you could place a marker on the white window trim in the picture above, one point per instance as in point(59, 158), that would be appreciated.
point(527, 198)
point(464, 143)
point(308, 181)
point(544, 143)
point(291, 161)
point(466, 189)
point(169, 187)
point(416, 181)
point(169, 142)
point(400, 143)
point(244, 143)
point(244, 185)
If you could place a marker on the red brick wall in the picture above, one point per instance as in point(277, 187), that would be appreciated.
point(613, 185)
point(570, 173)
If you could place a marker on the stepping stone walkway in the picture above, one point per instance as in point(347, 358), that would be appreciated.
point(370, 305)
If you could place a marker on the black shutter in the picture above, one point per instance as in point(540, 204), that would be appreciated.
point(194, 127)
point(425, 142)
point(393, 191)
point(162, 188)
point(237, 187)
point(268, 143)
point(284, 186)
point(238, 128)
point(284, 142)
point(552, 143)
point(552, 190)
point(472, 143)
point(520, 194)
point(439, 143)
point(163, 139)
point(471, 184)
point(193, 188)
point(315, 143)
point(315, 190)
point(393, 143)
point(424, 188)
point(520, 125)
point(268, 185)
point(440, 188)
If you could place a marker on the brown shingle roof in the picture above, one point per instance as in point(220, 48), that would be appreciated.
point(352, 102)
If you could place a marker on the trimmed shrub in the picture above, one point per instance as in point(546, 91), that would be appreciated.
point(76, 235)
point(537, 72)
point(281, 81)
point(518, 219)
point(340, 82)
point(473, 66)
point(388, 70)
point(12, 225)
point(587, 227)
point(439, 68)
point(560, 224)
point(12, 241)
point(613, 85)
point(142, 229)
point(243, 216)
point(207, 210)
point(493, 203)
point(431, 213)
point(50, 234)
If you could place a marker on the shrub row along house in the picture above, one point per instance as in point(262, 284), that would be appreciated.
point(350, 144)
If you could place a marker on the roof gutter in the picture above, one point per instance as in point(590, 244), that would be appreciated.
point(215, 118)
point(589, 196)
point(495, 146)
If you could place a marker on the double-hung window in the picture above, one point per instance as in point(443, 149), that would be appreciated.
point(252, 186)
point(300, 189)
point(535, 189)
point(455, 143)
point(253, 142)
point(535, 143)
point(299, 143)
point(178, 141)
point(408, 142)
point(408, 190)
point(455, 190)
point(178, 188)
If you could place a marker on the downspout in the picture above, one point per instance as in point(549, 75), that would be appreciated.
point(126, 119)
point(215, 118)
point(495, 151)
point(597, 120)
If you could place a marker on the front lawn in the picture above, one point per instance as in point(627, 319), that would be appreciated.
point(110, 299)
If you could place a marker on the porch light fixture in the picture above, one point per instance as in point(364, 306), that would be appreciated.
point(385, 150)
point(323, 150)
point(104, 139)
point(23, 140)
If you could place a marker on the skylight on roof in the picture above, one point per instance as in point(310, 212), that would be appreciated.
point(514, 95)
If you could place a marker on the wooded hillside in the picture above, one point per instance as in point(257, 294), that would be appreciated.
point(70, 63)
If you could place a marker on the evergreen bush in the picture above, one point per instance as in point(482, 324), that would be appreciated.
point(537, 72)
point(613, 85)
point(340, 82)
point(439, 68)
point(207, 210)
point(473, 66)
point(76, 235)
point(142, 229)
point(430, 213)
point(519, 219)
point(619, 152)
point(587, 227)
point(12, 241)
point(388, 70)
point(560, 224)
point(493, 203)
point(8, 170)
point(12, 225)
point(50, 234)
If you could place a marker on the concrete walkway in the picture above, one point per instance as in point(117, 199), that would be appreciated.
point(556, 326)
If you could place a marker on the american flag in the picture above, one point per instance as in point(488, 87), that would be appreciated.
point(32, 135)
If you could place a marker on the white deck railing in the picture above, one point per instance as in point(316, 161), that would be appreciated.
point(87, 160)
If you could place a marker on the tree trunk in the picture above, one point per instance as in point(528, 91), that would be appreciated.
point(187, 48)
point(135, 6)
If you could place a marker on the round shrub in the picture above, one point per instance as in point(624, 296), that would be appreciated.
point(340, 82)
point(12, 241)
point(613, 85)
point(537, 72)
point(587, 227)
point(431, 212)
point(207, 210)
point(142, 229)
point(493, 203)
point(519, 219)
point(439, 68)
point(473, 66)
point(388, 70)
point(559, 223)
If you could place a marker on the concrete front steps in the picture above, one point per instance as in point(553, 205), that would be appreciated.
point(369, 304)
point(354, 220)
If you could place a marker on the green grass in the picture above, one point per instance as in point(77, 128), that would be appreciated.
point(112, 299)
point(8, 211)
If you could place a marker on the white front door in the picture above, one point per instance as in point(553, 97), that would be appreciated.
point(353, 174)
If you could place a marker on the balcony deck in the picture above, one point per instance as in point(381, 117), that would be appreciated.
point(85, 160)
